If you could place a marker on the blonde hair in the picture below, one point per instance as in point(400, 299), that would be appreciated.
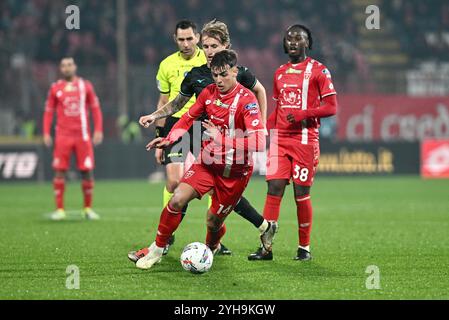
point(217, 30)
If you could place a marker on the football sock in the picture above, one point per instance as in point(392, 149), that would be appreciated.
point(272, 207)
point(213, 238)
point(183, 211)
point(304, 215)
point(247, 211)
point(264, 226)
point(59, 187)
point(168, 223)
point(88, 188)
point(166, 197)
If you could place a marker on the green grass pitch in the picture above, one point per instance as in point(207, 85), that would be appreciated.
point(399, 224)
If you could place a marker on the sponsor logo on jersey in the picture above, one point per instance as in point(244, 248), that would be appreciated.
point(220, 104)
point(69, 87)
point(291, 70)
point(251, 106)
point(200, 80)
point(212, 117)
point(255, 111)
point(208, 102)
point(255, 123)
point(331, 86)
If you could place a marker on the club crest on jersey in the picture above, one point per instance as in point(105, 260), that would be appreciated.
point(220, 104)
point(251, 106)
point(307, 75)
point(189, 174)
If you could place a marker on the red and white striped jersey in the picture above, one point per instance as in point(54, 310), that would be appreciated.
point(297, 87)
point(237, 115)
point(72, 102)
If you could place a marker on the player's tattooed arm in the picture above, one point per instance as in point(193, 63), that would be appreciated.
point(172, 107)
point(165, 111)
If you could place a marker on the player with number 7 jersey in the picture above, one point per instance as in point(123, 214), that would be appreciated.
point(304, 93)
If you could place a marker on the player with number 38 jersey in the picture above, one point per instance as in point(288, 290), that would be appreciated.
point(304, 93)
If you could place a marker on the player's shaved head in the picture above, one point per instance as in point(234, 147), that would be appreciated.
point(217, 30)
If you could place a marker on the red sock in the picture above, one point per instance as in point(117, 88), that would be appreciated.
point(272, 207)
point(213, 238)
point(59, 187)
point(168, 223)
point(304, 214)
point(88, 189)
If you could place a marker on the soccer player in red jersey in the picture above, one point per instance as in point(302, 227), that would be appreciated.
point(224, 165)
point(304, 93)
point(72, 98)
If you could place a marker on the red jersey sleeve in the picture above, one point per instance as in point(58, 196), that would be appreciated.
point(275, 87)
point(325, 85)
point(94, 103)
point(50, 107)
point(186, 121)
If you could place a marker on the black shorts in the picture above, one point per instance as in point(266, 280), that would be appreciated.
point(189, 142)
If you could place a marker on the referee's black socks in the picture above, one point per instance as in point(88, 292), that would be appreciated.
point(247, 211)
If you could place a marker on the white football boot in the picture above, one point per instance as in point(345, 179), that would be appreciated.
point(154, 256)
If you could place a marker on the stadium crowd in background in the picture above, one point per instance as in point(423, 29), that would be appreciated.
point(33, 36)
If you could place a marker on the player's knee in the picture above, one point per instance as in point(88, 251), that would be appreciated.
point(87, 175)
point(213, 223)
point(301, 191)
point(178, 201)
point(171, 185)
point(60, 174)
point(276, 187)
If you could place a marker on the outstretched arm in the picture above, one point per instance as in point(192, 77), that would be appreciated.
point(165, 111)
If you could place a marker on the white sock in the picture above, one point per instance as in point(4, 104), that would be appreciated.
point(157, 250)
point(307, 248)
point(264, 226)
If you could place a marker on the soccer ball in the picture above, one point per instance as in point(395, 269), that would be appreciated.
point(197, 258)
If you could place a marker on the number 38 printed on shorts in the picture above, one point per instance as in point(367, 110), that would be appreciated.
point(302, 174)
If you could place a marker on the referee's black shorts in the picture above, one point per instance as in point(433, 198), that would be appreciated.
point(177, 152)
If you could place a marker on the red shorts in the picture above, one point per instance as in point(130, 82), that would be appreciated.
point(227, 191)
point(289, 159)
point(65, 145)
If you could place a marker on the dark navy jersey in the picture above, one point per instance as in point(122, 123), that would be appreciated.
point(200, 77)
